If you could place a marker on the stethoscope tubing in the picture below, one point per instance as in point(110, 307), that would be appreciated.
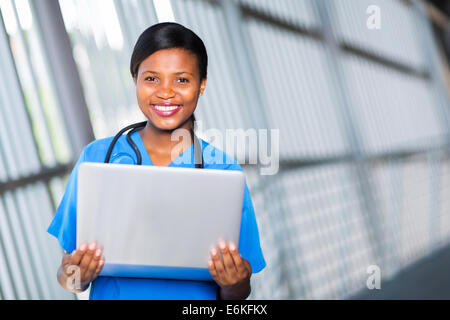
point(137, 126)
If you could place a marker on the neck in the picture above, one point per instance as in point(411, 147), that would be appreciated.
point(159, 141)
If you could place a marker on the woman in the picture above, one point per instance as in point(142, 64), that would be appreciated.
point(169, 68)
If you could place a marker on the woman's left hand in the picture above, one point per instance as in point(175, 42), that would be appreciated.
point(232, 272)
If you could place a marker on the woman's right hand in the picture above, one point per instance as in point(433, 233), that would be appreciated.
point(81, 267)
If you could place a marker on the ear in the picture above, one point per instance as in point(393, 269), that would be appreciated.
point(202, 86)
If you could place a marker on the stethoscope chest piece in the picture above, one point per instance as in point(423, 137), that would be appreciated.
point(122, 158)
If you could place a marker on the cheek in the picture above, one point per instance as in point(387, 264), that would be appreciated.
point(189, 95)
point(143, 92)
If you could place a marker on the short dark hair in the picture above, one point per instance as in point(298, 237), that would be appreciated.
point(168, 35)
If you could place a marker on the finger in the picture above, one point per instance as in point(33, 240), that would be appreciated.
point(218, 265)
point(212, 269)
point(101, 263)
point(84, 264)
point(94, 264)
point(237, 258)
point(78, 254)
point(228, 262)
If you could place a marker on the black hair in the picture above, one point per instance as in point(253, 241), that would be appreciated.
point(168, 35)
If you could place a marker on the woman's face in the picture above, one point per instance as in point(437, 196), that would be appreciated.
point(168, 86)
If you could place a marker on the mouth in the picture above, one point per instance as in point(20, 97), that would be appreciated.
point(165, 110)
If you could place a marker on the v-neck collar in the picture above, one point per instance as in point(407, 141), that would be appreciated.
point(146, 160)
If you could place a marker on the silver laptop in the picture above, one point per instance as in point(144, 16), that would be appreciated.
point(157, 222)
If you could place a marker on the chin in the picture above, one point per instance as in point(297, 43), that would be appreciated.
point(167, 125)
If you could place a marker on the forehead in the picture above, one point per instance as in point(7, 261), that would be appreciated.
point(168, 60)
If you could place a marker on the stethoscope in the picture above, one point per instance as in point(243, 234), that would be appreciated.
point(198, 154)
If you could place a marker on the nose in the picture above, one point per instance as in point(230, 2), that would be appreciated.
point(165, 91)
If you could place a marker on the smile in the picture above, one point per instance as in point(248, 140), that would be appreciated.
point(165, 111)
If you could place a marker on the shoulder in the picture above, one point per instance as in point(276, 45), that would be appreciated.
point(215, 158)
point(96, 150)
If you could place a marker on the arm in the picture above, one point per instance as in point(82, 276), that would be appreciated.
point(232, 274)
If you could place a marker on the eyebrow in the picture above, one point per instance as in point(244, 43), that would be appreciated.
point(176, 73)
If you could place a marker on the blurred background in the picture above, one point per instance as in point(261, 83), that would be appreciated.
point(358, 89)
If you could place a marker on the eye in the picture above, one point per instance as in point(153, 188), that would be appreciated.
point(150, 79)
point(183, 80)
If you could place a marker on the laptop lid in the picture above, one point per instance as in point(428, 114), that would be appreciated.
point(157, 222)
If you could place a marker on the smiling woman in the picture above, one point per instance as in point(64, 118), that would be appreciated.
point(169, 69)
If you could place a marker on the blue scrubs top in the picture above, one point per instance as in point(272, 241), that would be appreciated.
point(63, 225)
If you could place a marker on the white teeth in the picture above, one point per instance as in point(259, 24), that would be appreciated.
point(161, 108)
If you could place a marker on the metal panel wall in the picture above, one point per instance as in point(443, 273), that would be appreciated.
point(396, 39)
point(316, 230)
point(395, 111)
point(301, 13)
point(297, 68)
point(364, 167)
point(32, 141)
point(392, 105)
